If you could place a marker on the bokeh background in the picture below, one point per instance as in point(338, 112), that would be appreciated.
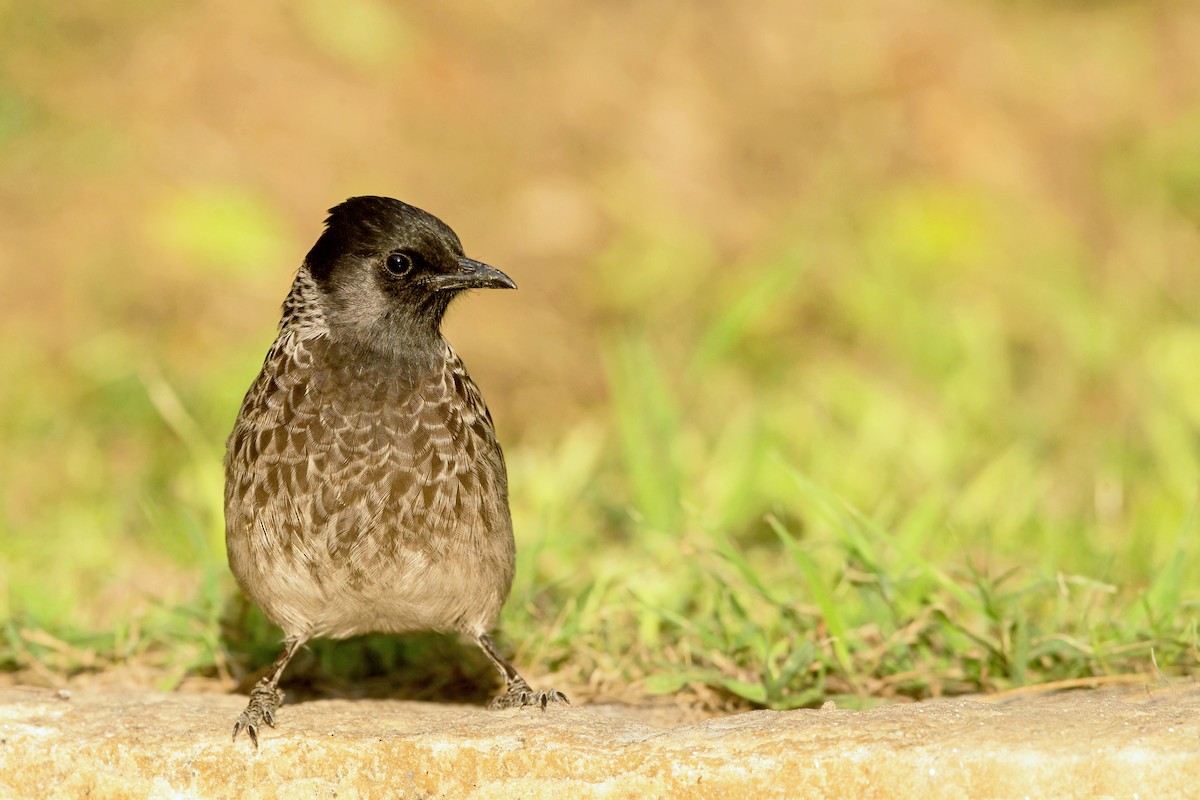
point(856, 351)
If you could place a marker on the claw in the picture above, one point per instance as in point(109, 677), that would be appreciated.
point(251, 729)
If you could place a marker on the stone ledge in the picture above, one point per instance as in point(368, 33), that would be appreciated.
point(1134, 743)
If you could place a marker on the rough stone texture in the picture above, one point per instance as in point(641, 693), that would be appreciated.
point(1133, 743)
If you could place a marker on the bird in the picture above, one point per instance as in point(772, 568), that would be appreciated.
point(365, 490)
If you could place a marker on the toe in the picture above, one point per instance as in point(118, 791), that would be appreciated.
point(519, 697)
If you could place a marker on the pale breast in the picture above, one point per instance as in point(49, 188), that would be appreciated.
point(355, 494)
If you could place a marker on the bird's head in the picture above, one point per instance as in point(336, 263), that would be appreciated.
point(387, 271)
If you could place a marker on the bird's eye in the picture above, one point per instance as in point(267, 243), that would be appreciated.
point(399, 263)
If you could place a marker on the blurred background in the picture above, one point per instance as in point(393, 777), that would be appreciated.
point(856, 351)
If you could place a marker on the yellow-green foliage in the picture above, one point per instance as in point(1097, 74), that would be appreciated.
point(857, 352)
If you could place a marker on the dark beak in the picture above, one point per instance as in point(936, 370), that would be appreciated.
point(472, 275)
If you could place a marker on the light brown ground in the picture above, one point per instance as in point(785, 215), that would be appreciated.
point(1142, 742)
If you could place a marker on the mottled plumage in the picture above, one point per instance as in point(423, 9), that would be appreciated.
point(365, 490)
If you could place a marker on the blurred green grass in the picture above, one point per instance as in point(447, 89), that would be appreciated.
point(931, 427)
point(922, 476)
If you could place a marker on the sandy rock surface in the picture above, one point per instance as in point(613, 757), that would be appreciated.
point(108, 744)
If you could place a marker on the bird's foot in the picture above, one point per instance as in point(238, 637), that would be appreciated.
point(264, 702)
point(520, 695)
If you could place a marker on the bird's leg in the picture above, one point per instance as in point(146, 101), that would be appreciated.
point(517, 692)
point(265, 697)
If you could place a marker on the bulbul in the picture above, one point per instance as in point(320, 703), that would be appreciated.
point(365, 490)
